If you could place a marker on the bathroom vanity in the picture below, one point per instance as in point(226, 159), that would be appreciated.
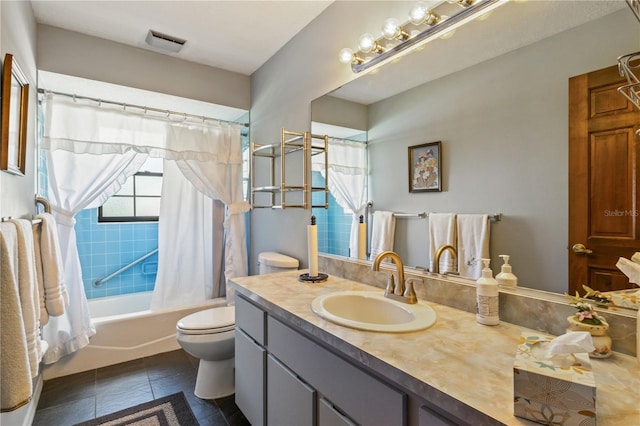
point(293, 367)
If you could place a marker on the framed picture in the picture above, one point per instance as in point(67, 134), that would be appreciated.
point(15, 107)
point(425, 165)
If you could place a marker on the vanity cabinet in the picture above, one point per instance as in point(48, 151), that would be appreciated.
point(286, 378)
point(294, 147)
point(251, 360)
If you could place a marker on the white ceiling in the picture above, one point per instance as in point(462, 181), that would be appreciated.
point(238, 35)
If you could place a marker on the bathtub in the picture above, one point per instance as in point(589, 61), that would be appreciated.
point(126, 329)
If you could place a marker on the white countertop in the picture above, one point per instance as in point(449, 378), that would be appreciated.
point(467, 361)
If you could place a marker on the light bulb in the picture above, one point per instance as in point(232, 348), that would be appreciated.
point(391, 28)
point(366, 43)
point(418, 13)
point(345, 55)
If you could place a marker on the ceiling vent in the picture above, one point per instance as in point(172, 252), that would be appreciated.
point(164, 41)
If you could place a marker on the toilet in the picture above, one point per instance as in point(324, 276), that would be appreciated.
point(209, 336)
point(271, 262)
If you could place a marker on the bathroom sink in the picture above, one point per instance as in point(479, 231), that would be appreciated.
point(368, 310)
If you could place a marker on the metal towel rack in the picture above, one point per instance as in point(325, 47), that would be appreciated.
point(422, 215)
point(44, 202)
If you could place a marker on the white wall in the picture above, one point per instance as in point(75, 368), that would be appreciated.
point(19, 39)
point(504, 129)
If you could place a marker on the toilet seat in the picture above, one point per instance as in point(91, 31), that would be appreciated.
point(209, 321)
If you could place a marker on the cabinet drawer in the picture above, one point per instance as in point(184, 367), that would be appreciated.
point(251, 319)
point(364, 398)
point(428, 417)
point(251, 361)
point(289, 400)
point(329, 416)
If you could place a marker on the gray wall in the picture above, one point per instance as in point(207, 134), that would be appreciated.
point(340, 112)
point(497, 156)
point(504, 129)
point(18, 37)
point(281, 93)
point(80, 55)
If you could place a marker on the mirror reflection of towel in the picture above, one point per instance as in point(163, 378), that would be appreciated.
point(630, 268)
point(442, 231)
point(473, 244)
point(382, 232)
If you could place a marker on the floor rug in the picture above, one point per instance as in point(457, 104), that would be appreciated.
point(172, 410)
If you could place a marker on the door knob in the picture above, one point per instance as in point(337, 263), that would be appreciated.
point(581, 249)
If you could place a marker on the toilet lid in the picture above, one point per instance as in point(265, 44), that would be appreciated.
point(215, 320)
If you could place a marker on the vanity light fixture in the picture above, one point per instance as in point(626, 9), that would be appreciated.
point(424, 25)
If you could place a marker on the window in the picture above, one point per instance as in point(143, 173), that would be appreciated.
point(139, 198)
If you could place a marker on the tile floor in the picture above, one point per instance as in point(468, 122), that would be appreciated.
point(68, 400)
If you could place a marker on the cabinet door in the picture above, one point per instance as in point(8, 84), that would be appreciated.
point(290, 402)
point(250, 370)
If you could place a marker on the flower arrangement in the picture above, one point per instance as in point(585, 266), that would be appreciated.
point(586, 314)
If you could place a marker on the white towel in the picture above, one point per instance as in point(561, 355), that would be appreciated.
point(55, 291)
point(442, 231)
point(630, 269)
point(44, 315)
point(473, 244)
point(28, 288)
point(15, 374)
point(382, 232)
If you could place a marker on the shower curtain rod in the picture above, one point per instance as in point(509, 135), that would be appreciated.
point(334, 138)
point(145, 109)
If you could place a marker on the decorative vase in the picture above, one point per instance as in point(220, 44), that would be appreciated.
point(601, 339)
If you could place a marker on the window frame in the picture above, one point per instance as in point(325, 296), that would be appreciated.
point(134, 218)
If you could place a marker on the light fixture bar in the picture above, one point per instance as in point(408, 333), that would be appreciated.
point(465, 15)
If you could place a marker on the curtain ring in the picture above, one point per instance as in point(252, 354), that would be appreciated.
point(99, 102)
point(74, 98)
point(168, 113)
point(124, 107)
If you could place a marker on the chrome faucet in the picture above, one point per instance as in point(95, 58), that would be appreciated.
point(442, 249)
point(403, 292)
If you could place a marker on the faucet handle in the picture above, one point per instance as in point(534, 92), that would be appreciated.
point(391, 285)
point(409, 292)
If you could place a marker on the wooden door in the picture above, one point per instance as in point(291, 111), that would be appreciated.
point(603, 181)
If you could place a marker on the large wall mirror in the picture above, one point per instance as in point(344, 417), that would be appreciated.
point(496, 95)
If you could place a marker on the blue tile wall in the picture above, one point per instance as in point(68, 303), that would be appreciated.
point(106, 247)
point(334, 225)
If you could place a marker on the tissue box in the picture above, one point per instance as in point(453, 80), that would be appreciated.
point(553, 391)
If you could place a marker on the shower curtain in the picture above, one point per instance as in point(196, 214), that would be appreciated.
point(218, 176)
point(91, 150)
point(347, 181)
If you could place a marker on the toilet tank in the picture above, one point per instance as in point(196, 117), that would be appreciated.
point(271, 262)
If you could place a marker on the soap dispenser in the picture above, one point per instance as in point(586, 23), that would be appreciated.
point(487, 297)
point(506, 278)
